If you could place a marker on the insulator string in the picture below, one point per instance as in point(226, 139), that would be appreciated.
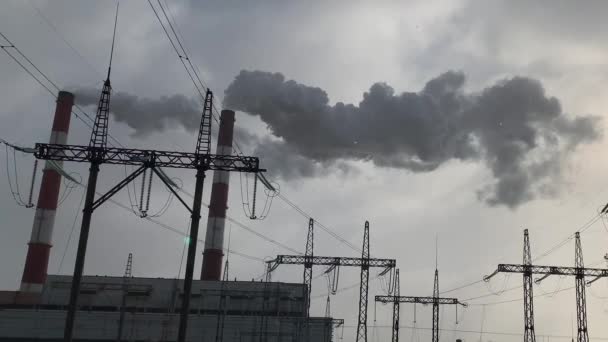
point(143, 189)
point(31, 194)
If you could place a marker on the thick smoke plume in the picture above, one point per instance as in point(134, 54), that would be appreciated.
point(512, 127)
point(145, 115)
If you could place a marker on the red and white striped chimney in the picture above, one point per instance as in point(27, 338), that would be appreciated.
point(37, 261)
point(214, 239)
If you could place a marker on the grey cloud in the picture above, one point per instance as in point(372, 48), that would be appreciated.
point(146, 115)
point(512, 127)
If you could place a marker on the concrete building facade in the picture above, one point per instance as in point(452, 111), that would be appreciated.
point(234, 310)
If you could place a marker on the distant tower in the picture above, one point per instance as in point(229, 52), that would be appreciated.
point(37, 260)
point(214, 238)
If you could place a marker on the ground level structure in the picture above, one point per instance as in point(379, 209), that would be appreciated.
point(220, 311)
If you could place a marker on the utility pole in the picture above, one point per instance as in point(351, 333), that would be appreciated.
point(435, 300)
point(365, 262)
point(125, 291)
point(579, 272)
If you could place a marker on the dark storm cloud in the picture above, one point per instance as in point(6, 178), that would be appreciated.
point(512, 127)
point(147, 115)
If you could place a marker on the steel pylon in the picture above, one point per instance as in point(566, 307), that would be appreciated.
point(363, 288)
point(581, 302)
point(436, 307)
point(99, 135)
point(308, 254)
point(529, 334)
point(396, 306)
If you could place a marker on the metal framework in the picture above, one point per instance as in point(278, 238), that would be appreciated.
point(388, 264)
point(364, 287)
point(221, 315)
point(436, 307)
point(97, 153)
point(203, 143)
point(551, 270)
point(125, 288)
point(579, 272)
point(435, 300)
point(396, 307)
point(308, 254)
point(581, 304)
point(419, 300)
point(136, 157)
point(99, 135)
point(529, 333)
point(364, 262)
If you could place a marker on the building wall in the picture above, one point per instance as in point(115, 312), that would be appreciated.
point(31, 325)
point(251, 311)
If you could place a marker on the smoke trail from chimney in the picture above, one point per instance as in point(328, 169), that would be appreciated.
point(145, 115)
point(512, 127)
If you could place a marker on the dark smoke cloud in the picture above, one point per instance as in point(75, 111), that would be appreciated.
point(512, 127)
point(147, 115)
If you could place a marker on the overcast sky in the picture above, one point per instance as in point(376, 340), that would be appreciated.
point(511, 137)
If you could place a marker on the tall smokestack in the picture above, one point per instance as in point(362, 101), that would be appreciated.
point(214, 239)
point(37, 261)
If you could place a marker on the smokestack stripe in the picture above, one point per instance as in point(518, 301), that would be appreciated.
point(37, 260)
point(214, 238)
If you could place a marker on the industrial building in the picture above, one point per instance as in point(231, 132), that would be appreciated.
point(234, 310)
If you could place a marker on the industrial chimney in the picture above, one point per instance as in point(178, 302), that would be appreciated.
point(214, 238)
point(37, 261)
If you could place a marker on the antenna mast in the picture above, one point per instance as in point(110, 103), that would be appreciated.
point(99, 136)
point(113, 40)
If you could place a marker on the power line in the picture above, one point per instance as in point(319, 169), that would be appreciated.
point(345, 288)
point(462, 286)
point(175, 230)
point(54, 28)
point(182, 54)
point(318, 224)
point(179, 55)
point(11, 45)
point(28, 60)
point(549, 251)
point(249, 229)
point(520, 299)
point(4, 48)
point(582, 229)
point(503, 333)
